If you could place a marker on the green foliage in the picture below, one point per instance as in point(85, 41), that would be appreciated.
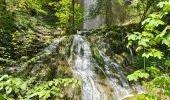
point(36, 5)
point(161, 82)
point(167, 63)
point(7, 61)
point(78, 16)
point(16, 26)
point(10, 86)
point(5, 58)
point(155, 33)
point(25, 5)
point(16, 88)
point(6, 27)
point(65, 14)
point(22, 42)
point(152, 35)
point(153, 53)
point(146, 97)
point(52, 89)
point(20, 37)
point(63, 11)
point(137, 75)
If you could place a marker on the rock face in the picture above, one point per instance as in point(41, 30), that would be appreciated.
point(91, 23)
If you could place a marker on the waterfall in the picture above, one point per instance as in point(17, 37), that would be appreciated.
point(83, 68)
point(91, 23)
point(119, 92)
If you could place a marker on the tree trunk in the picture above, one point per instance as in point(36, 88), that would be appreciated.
point(73, 13)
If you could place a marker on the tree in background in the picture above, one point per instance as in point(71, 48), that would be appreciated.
point(68, 16)
point(123, 11)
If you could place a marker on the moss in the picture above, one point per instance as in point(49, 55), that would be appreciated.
point(112, 37)
point(106, 87)
point(50, 66)
point(133, 98)
point(97, 56)
point(73, 94)
point(99, 60)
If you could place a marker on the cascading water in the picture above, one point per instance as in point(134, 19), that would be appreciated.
point(110, 64)
point(119, 92)
point(53, 46)
point(83, 66)
point(91, 23)
point(84, 69)
point(48, 50)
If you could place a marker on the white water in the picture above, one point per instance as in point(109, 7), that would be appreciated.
point(138, 88)
point(131, 52)
point(119, 91)
point(83, 68)
point(52, 47)
point(91, 23)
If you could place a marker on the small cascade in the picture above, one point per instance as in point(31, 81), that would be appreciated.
point(131, 53)
point(83, 68)
point(52, 47)
point(48, 50)
point(138, 88)
point(110, 65)
point(119, 92)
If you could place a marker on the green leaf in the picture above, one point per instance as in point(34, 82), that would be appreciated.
point(138, 74)
point(8, 90)
point(61, 95)
point(24, 86)
point(4, 76)
point(146, 21)
point(157, 53)
point(154, 71)
point(132, 37)
point(139, 48)
point(50, 83)
point(16, 90)
point(144, 41)
point(129, 44)
point(33, 95)
point(153, 53)
point(147, 34)
point(166, 40)
point(80, 82)
point(152, 42)
point(147, 54)
point(167, 63)
point(154, 23)
point(2, 97)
